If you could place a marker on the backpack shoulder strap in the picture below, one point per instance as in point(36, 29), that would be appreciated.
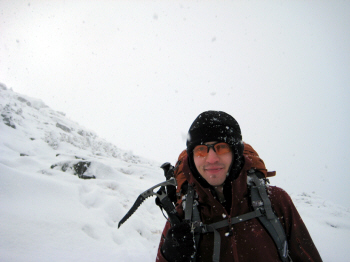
point(192, 213)
point(261, 201)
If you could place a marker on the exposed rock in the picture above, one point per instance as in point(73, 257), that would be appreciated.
point(23, 100)
point(3, 86)
point(79, 168)
point(8, 121)
point(63, 127)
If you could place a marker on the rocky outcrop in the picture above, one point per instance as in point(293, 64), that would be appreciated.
point(77, 168)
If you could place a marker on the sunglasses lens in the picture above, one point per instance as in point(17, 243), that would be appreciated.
point(220, 148)
point(201, 151)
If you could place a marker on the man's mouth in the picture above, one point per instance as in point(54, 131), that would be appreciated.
point(213, 169)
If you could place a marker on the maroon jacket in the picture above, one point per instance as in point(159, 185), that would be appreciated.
point(249, 241)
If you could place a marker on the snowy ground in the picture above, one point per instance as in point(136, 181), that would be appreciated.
point(47, 214)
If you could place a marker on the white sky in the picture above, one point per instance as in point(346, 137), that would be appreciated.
point(139, 72)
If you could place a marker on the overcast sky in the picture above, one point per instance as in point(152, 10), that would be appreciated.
point(139, 72)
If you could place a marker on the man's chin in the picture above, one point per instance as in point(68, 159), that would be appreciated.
point(216, 180)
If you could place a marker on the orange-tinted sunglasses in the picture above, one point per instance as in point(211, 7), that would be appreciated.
point(219, 148)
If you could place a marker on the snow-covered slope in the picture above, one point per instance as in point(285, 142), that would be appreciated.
point(63, 191)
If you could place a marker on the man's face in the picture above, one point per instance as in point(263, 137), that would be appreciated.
point(213, 167)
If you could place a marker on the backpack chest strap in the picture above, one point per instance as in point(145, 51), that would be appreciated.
point(234, 220)
point(212, 228)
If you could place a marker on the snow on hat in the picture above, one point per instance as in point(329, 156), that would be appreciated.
point(217, 126)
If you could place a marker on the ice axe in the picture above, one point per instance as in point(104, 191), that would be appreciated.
point(163, 200)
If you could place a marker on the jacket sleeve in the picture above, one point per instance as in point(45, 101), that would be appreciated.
point(301, 246)
point(160, 257)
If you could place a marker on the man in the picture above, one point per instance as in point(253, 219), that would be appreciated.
point(216, 168)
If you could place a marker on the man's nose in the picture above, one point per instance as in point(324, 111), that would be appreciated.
point(212, 157)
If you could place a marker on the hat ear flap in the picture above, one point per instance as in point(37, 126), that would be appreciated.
point(240, 147)
point(237, 160)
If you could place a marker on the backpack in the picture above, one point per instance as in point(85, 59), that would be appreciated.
point(261, 205)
